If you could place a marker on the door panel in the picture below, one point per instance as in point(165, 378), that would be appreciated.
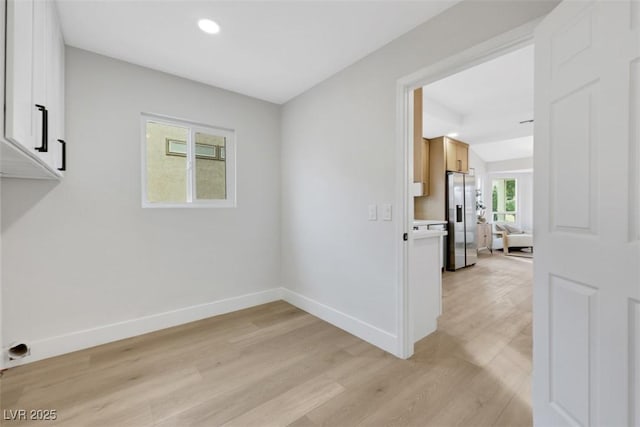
point(572, 347)
point(572, 39)
point(586, 190)
point(573, 140)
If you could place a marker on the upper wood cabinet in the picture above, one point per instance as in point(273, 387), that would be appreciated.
point(445, 154)
point(462, 156)
point(457, 155)
point(34, 94)
point(453, 153)
point(420, 146)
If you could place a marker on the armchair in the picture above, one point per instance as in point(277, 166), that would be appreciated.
point(506, 237)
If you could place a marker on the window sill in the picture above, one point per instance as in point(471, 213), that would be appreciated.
point(195, 205)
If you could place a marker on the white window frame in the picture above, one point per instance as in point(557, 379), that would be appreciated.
point(193, 128)
point(505, 213)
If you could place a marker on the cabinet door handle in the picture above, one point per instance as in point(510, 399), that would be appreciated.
point(64, 155)
point(45, 129)
point(459, 165)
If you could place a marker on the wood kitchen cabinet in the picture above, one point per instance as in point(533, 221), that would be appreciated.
point(484, 236)
point(445, 154)
point(457, 155)
point(420, 147)
point(34, 96)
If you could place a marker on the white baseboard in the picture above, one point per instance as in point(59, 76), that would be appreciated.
point(67, 343)
point(363, 330)
point(79, 340)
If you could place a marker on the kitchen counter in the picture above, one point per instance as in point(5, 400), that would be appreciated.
point(419, 222)
point(426, 234)
point(432, 226)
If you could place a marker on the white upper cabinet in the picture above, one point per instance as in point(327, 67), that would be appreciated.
point(20, 116)
point(34, 81)
point(55, 87)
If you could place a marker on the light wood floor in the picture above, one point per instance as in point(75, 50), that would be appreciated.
point(277, 365)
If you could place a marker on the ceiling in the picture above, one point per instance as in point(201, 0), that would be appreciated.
point(484, 105)
point(271, 50)
point(508, 149)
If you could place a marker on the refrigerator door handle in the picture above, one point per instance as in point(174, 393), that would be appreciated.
point(459, 213)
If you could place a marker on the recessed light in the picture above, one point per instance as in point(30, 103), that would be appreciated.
point(452, 134)
point(209, 26)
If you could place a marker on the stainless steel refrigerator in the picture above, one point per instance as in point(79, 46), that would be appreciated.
point(461, 216)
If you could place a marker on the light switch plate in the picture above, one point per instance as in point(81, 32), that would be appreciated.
point(386, 212)
point(373, 213)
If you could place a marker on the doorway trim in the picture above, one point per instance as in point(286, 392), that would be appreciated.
point(497, 46)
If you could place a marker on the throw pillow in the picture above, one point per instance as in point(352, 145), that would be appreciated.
point(500, 226)
point(512, 229)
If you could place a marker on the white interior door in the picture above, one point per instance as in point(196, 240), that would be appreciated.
point(587, 193)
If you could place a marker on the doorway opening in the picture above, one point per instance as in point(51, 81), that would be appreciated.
point(446, 114)
point(427, 96)
point(470, 261)
point(586, 140)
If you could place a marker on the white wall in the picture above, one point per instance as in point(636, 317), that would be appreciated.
point(480, 170)
point(338, 156)
point(82, 253)
point(512, 165)
point(81, 256)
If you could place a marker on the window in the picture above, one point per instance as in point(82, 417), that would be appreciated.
point(504, 202)
point(186, 165)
